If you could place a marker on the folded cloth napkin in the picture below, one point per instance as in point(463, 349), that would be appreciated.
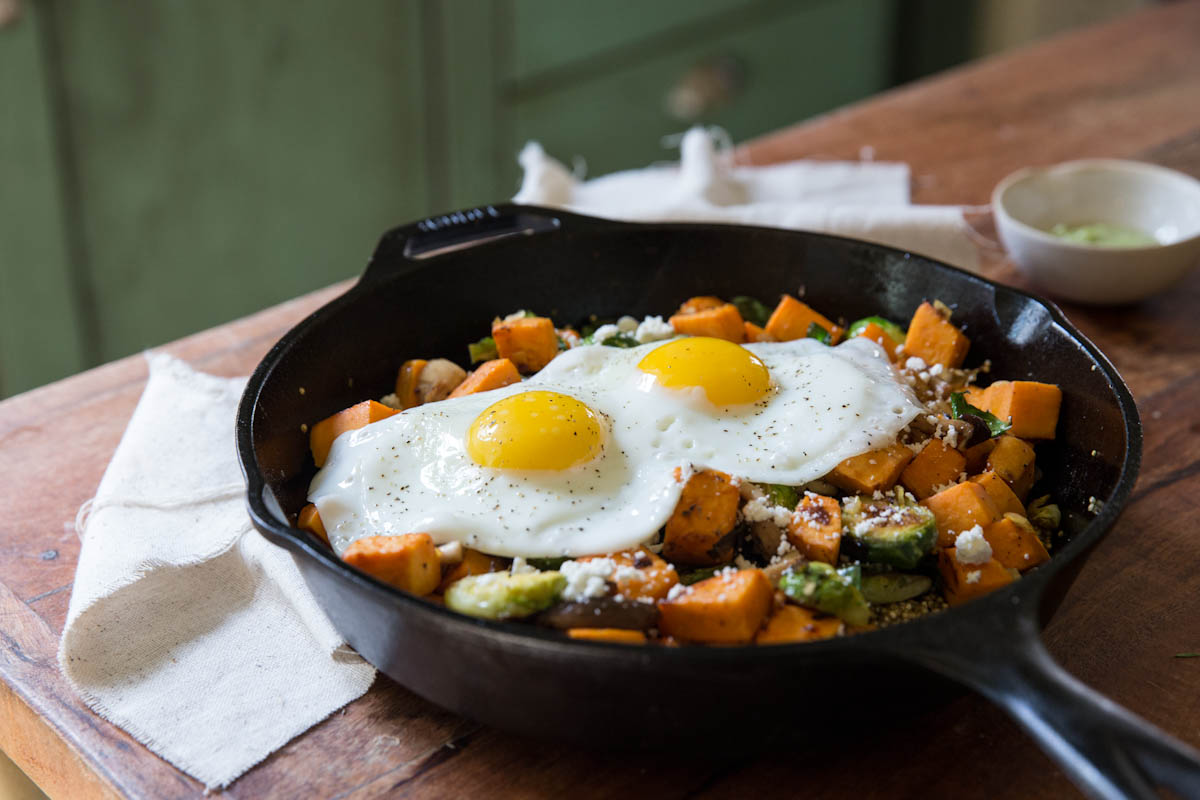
point(865, 200)
point(186, 628)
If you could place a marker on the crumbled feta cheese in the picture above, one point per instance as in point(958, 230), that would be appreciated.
point(653, 329)
point(677, 590)
point(604, 332)
point(390, 400)
point(741, 562)
point(971, 548)
point(936, 369)
point(760, 509)
point(586, 579)
point(521, 567)
point(973, 576)
point(915, 364)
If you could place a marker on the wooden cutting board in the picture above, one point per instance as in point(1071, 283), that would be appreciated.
point(1127, 89)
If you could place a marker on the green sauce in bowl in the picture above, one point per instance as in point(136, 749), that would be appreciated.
point(1103, 234)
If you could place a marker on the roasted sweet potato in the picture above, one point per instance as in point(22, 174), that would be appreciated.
point(473, 563)
point(796, 624)
point(791, 319)
point(701, 303)
point(420, 381)
point(1031, 407)
point(494, 374)
point(726, 608)
point(409, 562)
point(870, 472)
point(530, 343)
point(617, 635)
point(1013, 460)
point(815, 528)
point(935, 466)
point(321, 437)
point(1001, 493)
point(934, 339)
point(1015, 544)
point(722, 322)
point(699, 531)
point(310, 520)
point(960, 508)
point(756, 334)
point(654, 577)
point(879, 336)
point(976, 455)
point(960, 582)
point(406, 382)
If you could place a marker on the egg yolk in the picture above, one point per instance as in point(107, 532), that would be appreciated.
point(728, 373)
point(535, 430)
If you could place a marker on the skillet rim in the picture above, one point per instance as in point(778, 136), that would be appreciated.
point(1031, 586)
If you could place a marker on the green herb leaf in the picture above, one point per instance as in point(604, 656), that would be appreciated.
point(960, 407)
point(620, 340)
point(483, 350)
point(752, 310)
point(697, 575)
point(815, 331)
point(546, 564)
point(1187, 655)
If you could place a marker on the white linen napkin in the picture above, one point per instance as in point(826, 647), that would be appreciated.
point(865, 200)
point(186, 627)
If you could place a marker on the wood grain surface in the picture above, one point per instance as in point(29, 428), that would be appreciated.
point(1128, 89)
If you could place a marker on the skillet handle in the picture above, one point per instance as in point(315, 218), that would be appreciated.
point(403, 249)
point(1107, 751)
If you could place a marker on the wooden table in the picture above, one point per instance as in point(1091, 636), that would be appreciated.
point(1128, 89)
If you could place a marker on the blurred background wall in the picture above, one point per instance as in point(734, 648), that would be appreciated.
point(166, 166)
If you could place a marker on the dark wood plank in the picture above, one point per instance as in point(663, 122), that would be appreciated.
point(1134, 605)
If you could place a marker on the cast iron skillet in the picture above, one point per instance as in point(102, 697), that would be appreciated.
point(431, 286)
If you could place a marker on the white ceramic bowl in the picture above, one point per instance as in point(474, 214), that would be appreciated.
point(1155, 200)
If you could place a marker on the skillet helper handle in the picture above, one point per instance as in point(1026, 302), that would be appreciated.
point(1106, 750)
point(403, 249)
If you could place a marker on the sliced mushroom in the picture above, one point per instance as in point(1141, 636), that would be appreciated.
point(601, 612)
point(765, 537)
point(438, 379)
point(775, 571)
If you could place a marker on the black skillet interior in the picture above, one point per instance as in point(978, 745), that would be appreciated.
point(433, 286)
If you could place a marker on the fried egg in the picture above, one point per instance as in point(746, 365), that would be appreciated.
point(591, 454)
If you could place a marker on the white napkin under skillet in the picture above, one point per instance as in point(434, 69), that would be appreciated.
point(198, 637)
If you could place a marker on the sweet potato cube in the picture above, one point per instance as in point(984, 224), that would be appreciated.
point(1013, 460)
point(1031, 407)
point(791, 318)
point(698, 532)
point(473, 563)
point(960, 508)
point(1015, 545)
point(796, 624)
point(754, 333)
point(877, 470)
point(653, 579)
point(494, 374)
point(310, 520)
point(879, 336)
point(725, 609)
point(409, 562)
point(934, 339)
point(815, 528)
point(406, 382)
point(722, 322)
point(701, 303)
point(321, 437)
point(530, 343)
point(976, 455)
point(963, 582)
point(617, 635)
point(1001, 493)
point(935, 466)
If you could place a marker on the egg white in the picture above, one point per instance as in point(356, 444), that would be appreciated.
point(411, 472)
